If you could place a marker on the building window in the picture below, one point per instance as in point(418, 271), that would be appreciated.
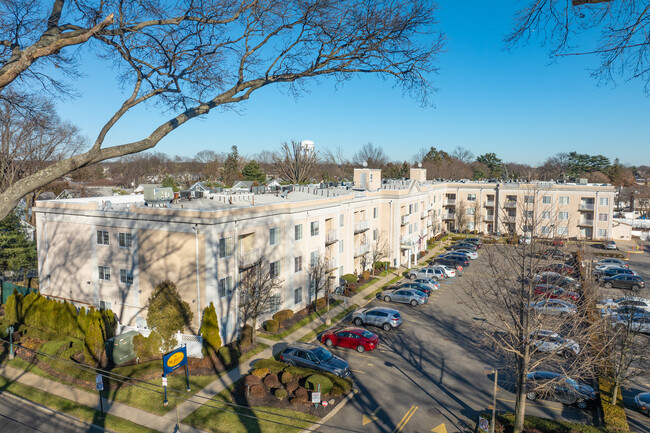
point(529, 214)
point(415, 208)
point(341, 220)
point(225, 247)
point(341, 246)
point(297, 264)
point(546, 214)
point(471, 197)
point(602, 217)
point(563, 215)
point(275, 302)
point(546, 199)
point(527, 228)
point(104, 273)
point(225, 287)
point(471, 211)
point(563, 231)
point(410, 209)
point(314, 258)
point(375, 234)
point(546, 230)
point(297, 296)
point(314, 228)
point(275, 269)
point(126, 277)
point(602, 233)
point(102, 237)
point(375, 212)
point(529, 199)
point(124, 240)
point(604, 201)
point(298, 232)
point(274, 235)
point(564, 199)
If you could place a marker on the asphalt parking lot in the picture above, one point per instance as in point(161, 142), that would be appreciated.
point(429, 375)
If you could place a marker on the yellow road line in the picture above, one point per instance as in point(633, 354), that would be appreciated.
point(358, 371)
point(405, 419)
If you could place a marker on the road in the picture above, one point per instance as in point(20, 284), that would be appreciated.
point(21, 416)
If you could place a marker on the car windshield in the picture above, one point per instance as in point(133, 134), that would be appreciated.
point(571, 381)
point(367, 334)
point(645, 398)
point(419, 293)
point(322, 354)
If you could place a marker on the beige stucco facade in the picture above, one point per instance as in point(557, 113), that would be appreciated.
point(113, 256)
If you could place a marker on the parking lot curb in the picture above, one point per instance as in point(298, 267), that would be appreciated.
point(334, 411)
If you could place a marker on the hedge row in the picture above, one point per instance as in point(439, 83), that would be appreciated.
point(613, 415)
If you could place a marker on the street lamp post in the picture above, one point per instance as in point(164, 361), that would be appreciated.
point(488, 370)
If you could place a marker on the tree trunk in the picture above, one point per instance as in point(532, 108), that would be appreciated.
point(615, 393)
point(520, 398)
point(254, 333)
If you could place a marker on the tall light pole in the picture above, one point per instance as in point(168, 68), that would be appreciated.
point(488, 370)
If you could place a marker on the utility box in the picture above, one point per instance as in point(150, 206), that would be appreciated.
point(120, 349)
point(158, 194)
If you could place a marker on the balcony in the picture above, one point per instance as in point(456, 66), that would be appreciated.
point(423, 215)
point(586, 223)
point(509, 219)
point(430, 206)
point(488, 218)
point(331, 237)
point(407, 242)
point(449, 216)
point(510, 204)
point(489, 203)
point(449, 202)
point(249, 258)
point(404, 220)
point(361, 226)
point(587, 206)
point(361, 250)
point(330, 264)
point(424, 233)
point(429, 223)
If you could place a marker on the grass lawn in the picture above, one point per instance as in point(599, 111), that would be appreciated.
point(211, 417)
point(372, 295)
point(323, 327)
point(147, 396)
point(308, 319)
point(70, 408)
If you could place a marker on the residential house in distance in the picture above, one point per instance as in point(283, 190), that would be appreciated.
point(113, 256)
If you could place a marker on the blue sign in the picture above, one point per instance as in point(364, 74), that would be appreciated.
point(99, 381)
point(174, 359)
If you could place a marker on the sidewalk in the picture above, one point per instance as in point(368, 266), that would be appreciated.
point(167, 423)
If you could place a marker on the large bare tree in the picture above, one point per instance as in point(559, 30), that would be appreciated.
point(373, 156)
point(257, 286)
point(294, 162)
point(193, 57)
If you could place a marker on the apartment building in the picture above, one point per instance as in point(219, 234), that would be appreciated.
point(111, 252)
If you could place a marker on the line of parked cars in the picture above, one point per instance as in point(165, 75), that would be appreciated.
point(616, 273)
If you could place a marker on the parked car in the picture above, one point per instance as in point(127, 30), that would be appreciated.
point(429, 273)
point(385, 318)
point(549, 341)
point(456, 258)
point(564, 281)
point(554, 386)
point(560, 268)
point(625, 301)
point(557, 242)
point(554, 307)
point(476, 241)
point(463, 246)
point(642, 402)
point(315, 357)
point(619, 262)
point(604, 273)
point(404, 296)
point(353, 338)
point(450, 270)
point(637, 322)
point(458, 253)
point(623, 281)
point(554, 292)
point(609, 245)
point(430, 283)
point(412, 285)
point(473, 255)
point(448, 263)
point(554, 254)
point(525, 240)
point(605, 266)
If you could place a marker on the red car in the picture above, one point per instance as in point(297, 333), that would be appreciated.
point(353, 338)
point(554, 292)
point(560, 268)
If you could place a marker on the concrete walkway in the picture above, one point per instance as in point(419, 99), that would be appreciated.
point(167, 423)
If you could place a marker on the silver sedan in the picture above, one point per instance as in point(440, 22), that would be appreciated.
point(405, 296)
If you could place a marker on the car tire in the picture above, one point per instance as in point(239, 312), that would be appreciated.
point(386, 298)
point(608, 285)
point(386, 326)
point(358, 321)
point(361, 349)
point(568, 354)
point(329, 343)
point(414, 303)
point(582, 404)
point(532, 395)
point(412, 276)
point(636, 287)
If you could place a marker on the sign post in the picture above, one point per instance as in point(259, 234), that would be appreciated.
point(164, 383)
point(171, 361)
point(483, 425)
point(11, 342)
point(99, 383)
point(315, 396)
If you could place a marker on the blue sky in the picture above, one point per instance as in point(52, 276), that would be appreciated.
point(517, 104)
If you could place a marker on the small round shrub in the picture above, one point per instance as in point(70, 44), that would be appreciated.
point(321, 303)
point(298, 372)
point(314, 380)
point(296, 401)
point(257, 391)
point(251, 380)
point(271, 381)
point(260, 372)
point(292, 386)
point(286, 377)
point(336, 391)
point(273, 365)
point(246, 338)
point(350, 278)
point(301, 394)
point(271, 326)
point(283, 315)
point(281, 394)
point(366, 275)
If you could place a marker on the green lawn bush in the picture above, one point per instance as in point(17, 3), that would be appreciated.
point(147, 348)
point(281, 394)
point(613, 415)
point(283, 315)
point(210, 330)
point(229, 355)
point(299, 372)
point(272, 365)
point(320, 303)
point(313, 381)
point(260, 372)
point(271, 326)
point(350, 278)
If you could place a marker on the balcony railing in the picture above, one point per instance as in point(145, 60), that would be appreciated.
point(586, 206)
point(488, 218)
point(404, 220)
point(510, 219)
point(586, 222)
point(450, 202)
point(429, 223)
point(331, 237)
point(430, 206)
point(510, 204)
point(424, 233)
point(423, 215)
point(361, 250)
point(448, 216)
point(362, 226)
point(249, 258)
point(407, 242)
point(330, 264)
point(489, 203)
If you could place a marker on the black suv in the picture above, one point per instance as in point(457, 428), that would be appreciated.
point(452, 261)
point(314, 357)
